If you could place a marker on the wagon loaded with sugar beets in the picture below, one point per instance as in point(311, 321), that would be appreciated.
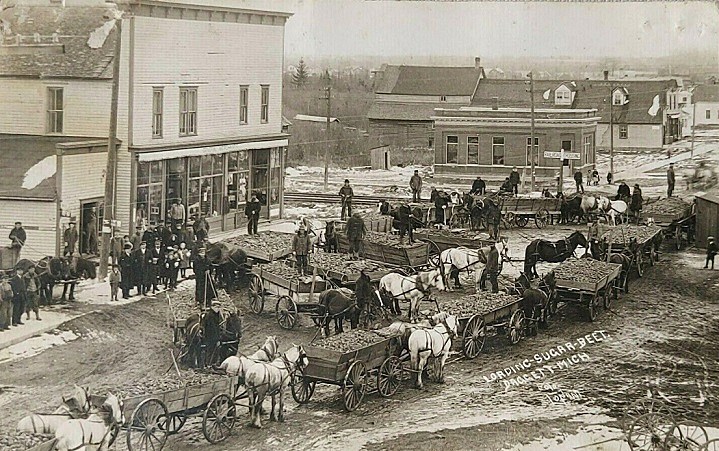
point(354, 361)
point(264, 246)
point(383, 247)
point(294, 293)
point(484, 312)
point(587, 282)
point(519, 210)
point(448, 238)
point(641, 242)
point(345, 271)
point(675, 217)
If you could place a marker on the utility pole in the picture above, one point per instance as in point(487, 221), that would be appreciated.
point(531, 136)
point(611, 130)
point(328, 98)
point(111, 170)
point(694, 122)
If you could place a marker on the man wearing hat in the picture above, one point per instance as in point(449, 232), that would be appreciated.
point(18, 237)
point(166, 234)
point(115, 279)
point(252, 211)
point(156, 260)
point(635, 206)
point(140, 268)
point(712, 249)
point(301, 246)
point(671, 178)
point(177, 213)
point(91, 226)
point(6, 297)
point(18, 297)
point(136, 238)
point(346, 195)
point(150, 235)
point(115, 245)
point(212, 330)
point(69, 236)
point(201, 228)
point(514, 180)
point(126, 262)
point(201, 266)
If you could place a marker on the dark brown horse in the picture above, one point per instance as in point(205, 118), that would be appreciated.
point(52, 271)
point(229, 264)
point(624, 258)
point(338, 305)
point(551, 251)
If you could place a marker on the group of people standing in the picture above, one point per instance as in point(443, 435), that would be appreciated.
point(19, 293)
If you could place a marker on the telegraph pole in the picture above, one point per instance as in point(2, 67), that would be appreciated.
point(328, 98)
point(694, 122)
point(611, 130)
point(111, 170)
point(531, 136)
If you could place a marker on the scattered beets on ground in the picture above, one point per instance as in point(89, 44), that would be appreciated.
point(21, 441)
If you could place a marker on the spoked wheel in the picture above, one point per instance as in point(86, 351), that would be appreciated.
point(653, 255)
point(286, 311)
point(257, 294)
point(522, 221)
point(648, 432)
point(553, 304)
point(608, 297)
point(219, 418)
point(355, 386)
point(640, 263)
point(302, 388)
point(145, 431)
point(678, 237)
point(389, 376)
point(473, 337)
point(516, 327)
point(173, 423)
point(541, 218)
point(686, 438)
point(593, 307)
point(711, 445)
point(641, 407)
point(434, 254)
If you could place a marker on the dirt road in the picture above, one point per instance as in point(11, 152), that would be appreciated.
point(664, 333)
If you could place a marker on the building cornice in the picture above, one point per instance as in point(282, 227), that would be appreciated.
point(206, 143)
point(440, 121)
point(205, 13)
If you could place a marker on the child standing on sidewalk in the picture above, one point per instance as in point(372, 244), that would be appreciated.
point(115, 279)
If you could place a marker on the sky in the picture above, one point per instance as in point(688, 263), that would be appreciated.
point(321, 28)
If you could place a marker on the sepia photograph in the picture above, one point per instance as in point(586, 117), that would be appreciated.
point(366, 225)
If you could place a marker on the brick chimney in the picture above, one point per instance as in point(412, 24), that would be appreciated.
point(606, 75)
point(477, 62)
point(495, 103)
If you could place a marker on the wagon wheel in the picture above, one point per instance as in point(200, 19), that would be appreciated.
point(145, 432)
point(639, 263)
point(219, 418)
point(257, 294)
point(686, 437)
point(593, 307)
point(474, 336)
point(286, 311)
point(647, 433)
point(641, 407)
point(516, 327)
point(522, 220)
point(355, 386)
point(302, 388)
point(389, 376)
point(608, 296)
point(711, 445)
point(541, 218)
point(553, 303)
point(173, 423)
point(678, 237)
point(653, 257)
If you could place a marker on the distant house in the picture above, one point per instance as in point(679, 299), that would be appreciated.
point(706, 104)
point(406, 96)
point(639, 108)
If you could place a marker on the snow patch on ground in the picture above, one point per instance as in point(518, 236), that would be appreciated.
point(35, 345)
point(42, 170)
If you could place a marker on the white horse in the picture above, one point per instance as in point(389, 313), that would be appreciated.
point(237, 365)
point(613, 209)
point(76, 406)
point(410, 288)
point(458, 259)
point(434, 343)
point(93, 433)
point(273, 378)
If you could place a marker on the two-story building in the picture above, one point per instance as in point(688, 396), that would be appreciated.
point(406, 96)
point(199, 120)
point(706, 105)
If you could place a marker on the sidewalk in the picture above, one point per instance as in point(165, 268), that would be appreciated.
point(51, 319)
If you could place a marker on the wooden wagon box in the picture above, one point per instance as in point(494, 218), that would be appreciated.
point(268, 256)
point(294, 286)
point(345, 277)
point(331, 365)
point(445, 242)
point(414, 256)
point(590, 286)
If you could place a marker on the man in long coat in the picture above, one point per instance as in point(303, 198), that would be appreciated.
point(356, 232)
point(126, 262)
point(636, 204)
point(140, 268)
point(156, 260)
point(415, 183)
point(671, 179)
point(346, 195)
point(70, 238)
point(19, 297)
point(201, 265)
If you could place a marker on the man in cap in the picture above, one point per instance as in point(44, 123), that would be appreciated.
point(140, 268)
point(635, 206)
point(32, 293)
point(252, 211)
point(150, 235)
point(301, 246)
point(19, 297)
point(212, 330)
point(478, 186)
point(201, 228)
point(514, 180)
point(18, 237)
point(177, 213)
point(201, 266)
point(70, 238)
point(125, 263)
point(166, 234)
point(415, 183)
point(712, 249)
point(671, 179)
point(115, 245)
point(6, 296)
point(346, 195)
point(136, 238)
point(156, 263)
point(115, 279)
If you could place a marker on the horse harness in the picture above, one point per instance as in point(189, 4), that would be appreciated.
point(428, 338)
point(88, 441)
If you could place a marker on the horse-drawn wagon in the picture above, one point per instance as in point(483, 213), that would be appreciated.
point(181, 305)
point(293, 292)
point(264, 246)
point(674, 216)
point(383, 247)
point(350, 360)
point(518, 210)
point(485, 312)
point(449, 238)
point(345, 271)
point(587, 282)
point(642, 242)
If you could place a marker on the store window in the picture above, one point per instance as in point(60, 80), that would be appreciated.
point(149, 192)
point(175, 183)
point(452, 148)
point(205, 185)
point(238, 176)
point(275, 175)
point(260, 173)
point(473, 149)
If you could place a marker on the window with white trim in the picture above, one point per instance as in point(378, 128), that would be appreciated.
point(472, 149)
point(618, 97)
point(498, 150)
point(533, 155)
point(562, 96)
point(188, 111)
point(452, 148)
point(265, 105)
point(244, 102)
point(55, 110)
point(157, 97)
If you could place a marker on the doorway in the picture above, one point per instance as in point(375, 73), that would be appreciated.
point(91, 216)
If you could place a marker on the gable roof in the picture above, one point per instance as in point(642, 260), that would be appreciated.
point(429, 80)
point(20, 156)
point(706, 93)
point(70, 56)
point(588, 94)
